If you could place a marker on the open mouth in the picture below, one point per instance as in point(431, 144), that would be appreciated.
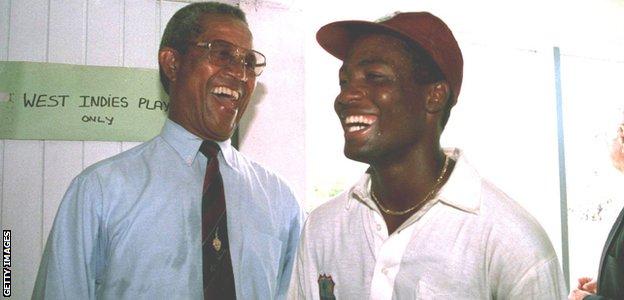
point(358, 122)
point(225, 93)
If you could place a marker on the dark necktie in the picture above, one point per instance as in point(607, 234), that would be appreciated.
point(218, 277)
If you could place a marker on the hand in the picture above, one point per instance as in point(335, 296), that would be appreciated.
point(588, 284)
point(577, 294)
point(617, 149)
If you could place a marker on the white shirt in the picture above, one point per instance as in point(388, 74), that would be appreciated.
point(470, 242)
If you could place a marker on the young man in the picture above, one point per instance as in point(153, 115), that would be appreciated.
point(183, 215)
point(421, 223)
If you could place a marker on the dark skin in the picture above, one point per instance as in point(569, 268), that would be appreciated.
point(392, 122)
point(196, 85)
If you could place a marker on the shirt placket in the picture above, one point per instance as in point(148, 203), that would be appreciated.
point(389, 252)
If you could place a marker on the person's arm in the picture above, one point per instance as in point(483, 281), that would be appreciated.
point(544, 280)
point(69, 262)
point(595, 297)
point(298, 281)
point(295, 224)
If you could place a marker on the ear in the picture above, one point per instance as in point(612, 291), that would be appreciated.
point(169, 62)
point(437, 96)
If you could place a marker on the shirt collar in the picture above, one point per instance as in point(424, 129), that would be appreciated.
point(462, 190)
point(187, 144)
point(361, 192)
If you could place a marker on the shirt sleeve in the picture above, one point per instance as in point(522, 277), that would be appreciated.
point(295, 225)
point(70, 261)
point(542, 281)
point(298, 279)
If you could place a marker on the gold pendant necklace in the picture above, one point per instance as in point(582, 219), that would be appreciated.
point(216, 242)
point(405, 211)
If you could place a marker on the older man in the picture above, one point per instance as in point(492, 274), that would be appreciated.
point(184, 215)
point(610, 281)
point(421, 223)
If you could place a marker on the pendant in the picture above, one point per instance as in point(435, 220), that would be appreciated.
point(216, 242)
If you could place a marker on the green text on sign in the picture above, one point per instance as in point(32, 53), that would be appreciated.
point(49, 101)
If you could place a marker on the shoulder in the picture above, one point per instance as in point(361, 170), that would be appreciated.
point(266, 181)
point(114, 177)
point(254, 171)
point(331, 217)
point(340, 213)
point(511, 222)
point(501, 219)
point(513, 241)
point(519, 251)
point(92, 188)
point(335, 208)
point(250, 168)
point(126, 161)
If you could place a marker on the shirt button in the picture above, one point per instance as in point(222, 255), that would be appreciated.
point(385, 271)
point(378, 227)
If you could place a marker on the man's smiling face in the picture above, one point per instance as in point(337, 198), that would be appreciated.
point(380, 106)
point(207, 99)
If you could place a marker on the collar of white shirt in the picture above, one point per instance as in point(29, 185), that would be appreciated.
point(462, 190)
point(187, 144)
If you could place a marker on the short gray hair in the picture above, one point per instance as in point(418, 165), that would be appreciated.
point(184, 26)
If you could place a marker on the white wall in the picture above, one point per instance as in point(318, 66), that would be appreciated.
point(272, 129)
point(35, 174)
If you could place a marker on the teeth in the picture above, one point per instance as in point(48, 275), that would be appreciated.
point(354, 128)
point(226, 91)
point(359, 119)
point(358, 122)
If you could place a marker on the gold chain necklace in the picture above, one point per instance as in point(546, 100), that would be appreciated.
point(405, 211)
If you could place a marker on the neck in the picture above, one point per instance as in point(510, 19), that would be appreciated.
point(405, 182)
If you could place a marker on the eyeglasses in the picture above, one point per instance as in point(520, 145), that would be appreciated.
point(222, 53)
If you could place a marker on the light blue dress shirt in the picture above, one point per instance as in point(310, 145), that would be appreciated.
point(129, 227)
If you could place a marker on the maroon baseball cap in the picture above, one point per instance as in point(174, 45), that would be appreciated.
point(420, 28)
